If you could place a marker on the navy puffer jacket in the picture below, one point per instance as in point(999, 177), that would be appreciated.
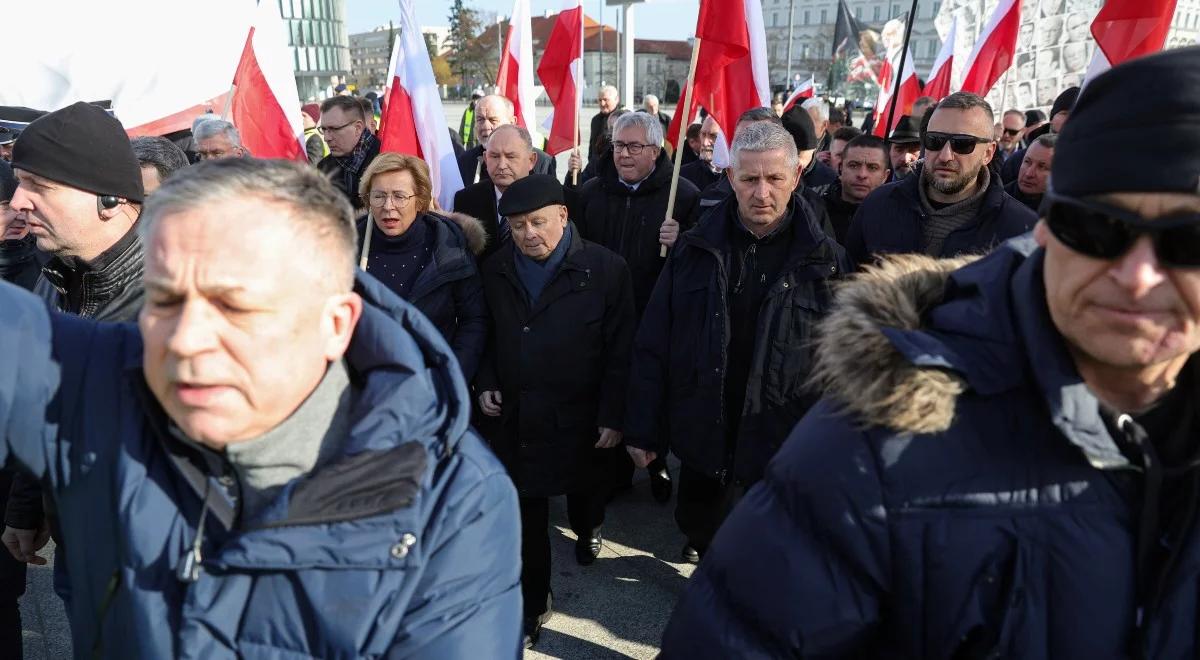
point(406, 546)
point(957, 494)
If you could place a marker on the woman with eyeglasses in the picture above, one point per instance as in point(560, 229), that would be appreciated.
point(425, 258)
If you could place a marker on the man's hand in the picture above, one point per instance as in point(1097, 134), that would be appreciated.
point(23, 544)
point(823, 156)
point(489, 403)
point(668, 232)
point(608, 438)
point(641, 457)
point(574, 163)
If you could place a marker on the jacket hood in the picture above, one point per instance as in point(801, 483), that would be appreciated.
point(874, 380)
point(472, 229)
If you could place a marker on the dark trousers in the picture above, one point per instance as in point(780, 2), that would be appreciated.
point(585, 513)
point(12, 587)
point(702, 504)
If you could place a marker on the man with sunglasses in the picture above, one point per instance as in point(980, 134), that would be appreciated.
point(1012, 127)
point(953, 204)
point(1006, 465)
point(351, 146)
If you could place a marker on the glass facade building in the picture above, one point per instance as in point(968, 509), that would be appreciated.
point(320, 48)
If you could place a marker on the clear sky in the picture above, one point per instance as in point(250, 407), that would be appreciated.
point(654, 19)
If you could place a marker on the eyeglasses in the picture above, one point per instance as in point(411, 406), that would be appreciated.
point(328, 129)
point(379, 198)
point(1105, 232)
point(1009, 132)
point(634, 148)
point(960, 143)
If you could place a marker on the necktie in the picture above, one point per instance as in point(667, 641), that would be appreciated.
point(505, 230)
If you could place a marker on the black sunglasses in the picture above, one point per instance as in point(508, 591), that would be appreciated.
point(1012, 131)
point(960, 143)
point(1105, 232)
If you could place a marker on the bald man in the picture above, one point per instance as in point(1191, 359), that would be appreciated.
point(491, 112)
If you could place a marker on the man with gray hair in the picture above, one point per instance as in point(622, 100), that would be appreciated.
point(277, 459)
point(216, 139)
point(817, 173)
point(624, 208)
point(952, 204)
point(723, 350)
point(650, 107)
point(608, 100)
point(159, 158)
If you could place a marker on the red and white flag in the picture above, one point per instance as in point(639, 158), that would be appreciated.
point(561, 73)
point(413, 121)
point(731, 68)
point(938, 82)
point(994, 51)
point(266, 107)
point(804, 90)
point(909, 92)
point(515, 77)
point(1125, 29)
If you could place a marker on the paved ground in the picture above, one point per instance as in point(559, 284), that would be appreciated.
point(615, 608)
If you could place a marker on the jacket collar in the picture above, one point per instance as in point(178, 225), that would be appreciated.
point(103, 279)
point(909, 190)
point(712, 231)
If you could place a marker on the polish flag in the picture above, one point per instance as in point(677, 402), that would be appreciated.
point(413, 121)
point(910, 91)
point(731, 68)
point(265, 106)
point(1125, 29)
point(993, 52)
point(561, 73)
point(803, 91)
point(938, 85)
point(515, 78)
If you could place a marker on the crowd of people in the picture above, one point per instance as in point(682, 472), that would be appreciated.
point(931, 395)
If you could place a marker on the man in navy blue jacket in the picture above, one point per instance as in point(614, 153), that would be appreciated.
point(277, 460)
point(1006, 463)
point(954, 205)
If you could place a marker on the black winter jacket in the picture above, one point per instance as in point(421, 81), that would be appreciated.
point(889, 220)
point(561, 366)
point(20, 262)
point(957, 495)
point(627, 221)
point(677, 380)
point(449, 291)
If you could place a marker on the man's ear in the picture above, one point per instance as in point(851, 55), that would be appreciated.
point(1041, 233)
point(341, 315)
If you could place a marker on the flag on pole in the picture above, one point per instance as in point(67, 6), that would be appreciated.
point(265, 106)
point(846, 30)
point(561, 73)
point(909, 92)
point(731, 69)
point(515, 77)
point(938, 85)
point(994, 51)
point(1125, 29)
point(413, 121)
point(804, 90)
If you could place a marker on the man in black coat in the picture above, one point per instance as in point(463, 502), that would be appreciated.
point(953, 204)
point(20, 261)
point(555, 374)
point(723, 351)
point(624, 208)
point(864, 163)
point(702, 172)
point(509, 157)
point(608, 100)
point(492, 112)
point(1030, 186)
point(351, 146)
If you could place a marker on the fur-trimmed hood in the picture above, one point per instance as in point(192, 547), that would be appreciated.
point(861, 369)
point(472, 229)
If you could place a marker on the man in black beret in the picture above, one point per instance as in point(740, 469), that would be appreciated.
point(79, 192)
point(554, 376)
point(1006, 463)
point(953, 203)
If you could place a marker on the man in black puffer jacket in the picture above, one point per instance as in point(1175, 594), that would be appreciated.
point(723, 351)
point(624, 209)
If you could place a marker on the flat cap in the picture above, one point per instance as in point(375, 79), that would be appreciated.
point(530, 194)
point(1112, 145)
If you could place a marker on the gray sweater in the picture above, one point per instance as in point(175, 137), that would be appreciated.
point(940, 222)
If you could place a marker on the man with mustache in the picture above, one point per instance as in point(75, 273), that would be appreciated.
point(953, 204)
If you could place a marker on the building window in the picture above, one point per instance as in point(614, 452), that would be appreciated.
point(824, 16)
point(858, 13)
point(876, 13)
point(806, 17)
point(895, 11)
point(937, 7)
point(774, 19)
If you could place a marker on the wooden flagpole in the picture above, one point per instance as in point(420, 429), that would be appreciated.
point(684, 122)
point(579, 92)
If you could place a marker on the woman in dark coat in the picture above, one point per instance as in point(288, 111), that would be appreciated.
point(425, 258)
